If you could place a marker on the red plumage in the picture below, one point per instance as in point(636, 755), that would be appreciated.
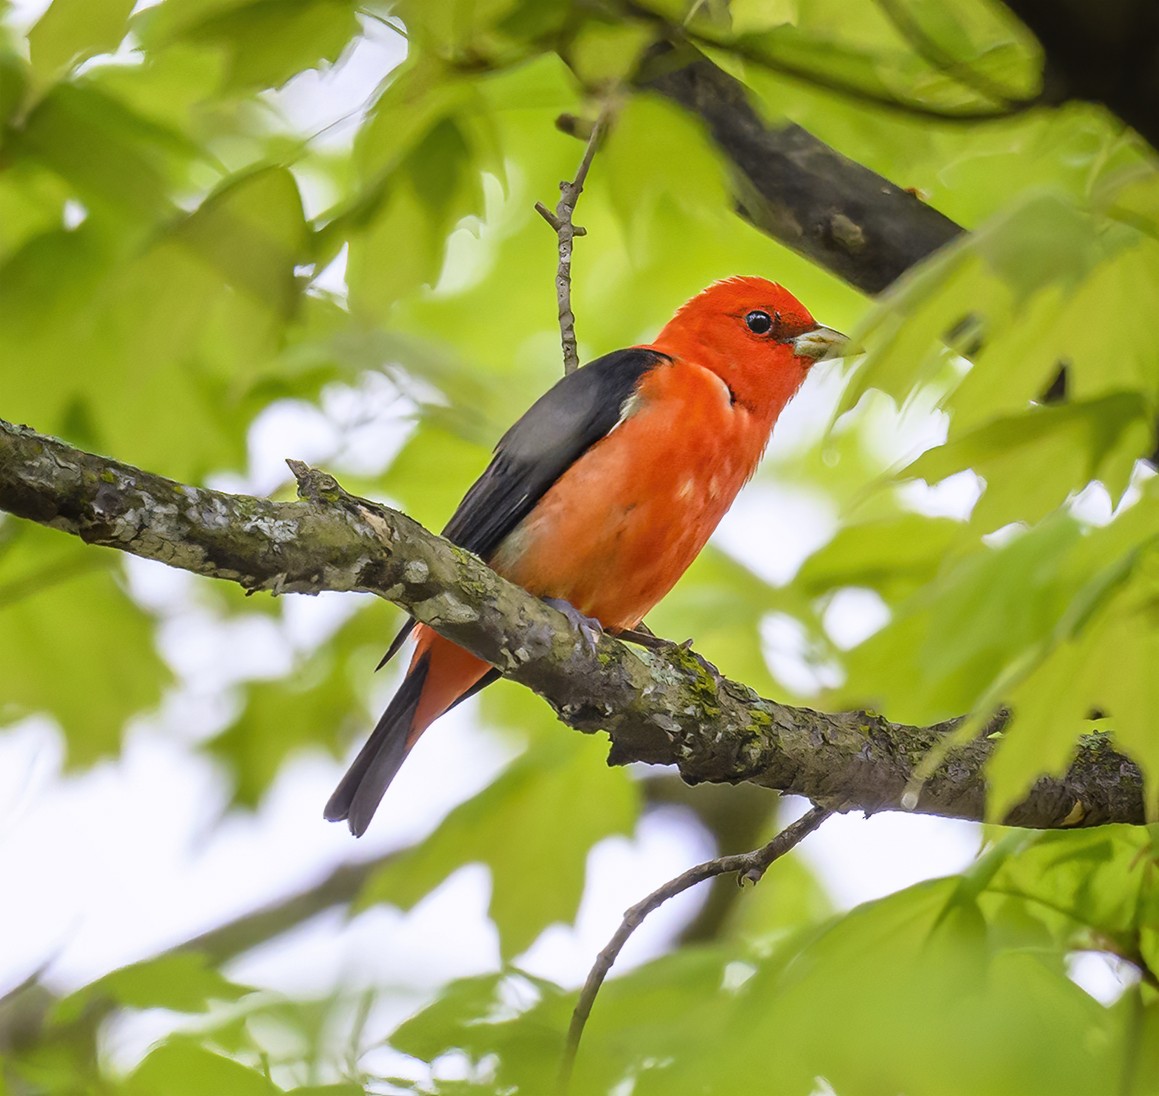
point(662, 437)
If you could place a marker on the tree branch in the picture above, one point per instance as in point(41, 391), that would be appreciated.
point(796, 189)
point(663, 707)
point(749, 867)
point(857, 224)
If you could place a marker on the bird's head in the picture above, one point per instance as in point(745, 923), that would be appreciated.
point(755, 335)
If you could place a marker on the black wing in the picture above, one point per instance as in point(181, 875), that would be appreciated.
point(553, 433)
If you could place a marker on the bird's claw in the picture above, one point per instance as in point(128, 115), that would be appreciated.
point(588, 627)
point(643, 636)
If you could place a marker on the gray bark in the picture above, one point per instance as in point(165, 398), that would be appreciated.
point(664, 707)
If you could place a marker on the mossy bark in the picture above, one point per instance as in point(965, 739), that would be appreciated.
point(663, 707)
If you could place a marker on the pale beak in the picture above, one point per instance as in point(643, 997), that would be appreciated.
point(819, 344)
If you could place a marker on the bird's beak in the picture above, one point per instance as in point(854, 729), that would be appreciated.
point(819, 344)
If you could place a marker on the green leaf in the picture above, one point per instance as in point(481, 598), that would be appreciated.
point(184, 982)
point(180, 1067)
point(1138, 1014)
point(403, 247)
point(953, 639)
point(13, 87)
point(560, 800)
point(1031, 462)
point(898, 995)
point(348, 1088)
point(447, 1022)
point(509, 1014)
point(894, 556)
point(648, 134)
point(1034, 283)
point(643, 1023)
point(445, 29)
point(71, 31)
point(117, 161)
point(231, 263)
point(1093, 662)
point(607, 54)
point(176, 329)
point(264, 42)
point(1085, 886)
point(62, 609)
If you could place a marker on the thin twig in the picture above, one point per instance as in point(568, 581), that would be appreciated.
point(749, 867)
point(566, 231)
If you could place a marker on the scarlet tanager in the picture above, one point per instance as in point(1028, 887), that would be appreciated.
point(606, 489)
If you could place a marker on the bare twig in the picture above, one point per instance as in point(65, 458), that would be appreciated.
point(566, 231)
point(749, 868)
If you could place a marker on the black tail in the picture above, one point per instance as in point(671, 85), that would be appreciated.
point(361, 790)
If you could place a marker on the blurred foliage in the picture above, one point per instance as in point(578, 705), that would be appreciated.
point(199, 219)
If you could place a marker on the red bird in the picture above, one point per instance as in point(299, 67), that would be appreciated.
point(603, 493)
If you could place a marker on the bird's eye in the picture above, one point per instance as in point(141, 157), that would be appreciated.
point(759, 323)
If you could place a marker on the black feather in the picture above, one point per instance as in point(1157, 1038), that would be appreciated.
point(396, 643)
point(361, 790)
point(554, 432)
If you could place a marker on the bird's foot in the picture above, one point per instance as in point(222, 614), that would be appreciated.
point(588, 627)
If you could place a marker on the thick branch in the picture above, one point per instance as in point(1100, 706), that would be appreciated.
point(664, 707)
point(842, 216)
point(859, 225)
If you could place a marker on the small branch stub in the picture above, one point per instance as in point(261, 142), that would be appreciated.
point(313, 485)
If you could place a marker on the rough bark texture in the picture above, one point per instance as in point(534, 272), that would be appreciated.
point(665, 707)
